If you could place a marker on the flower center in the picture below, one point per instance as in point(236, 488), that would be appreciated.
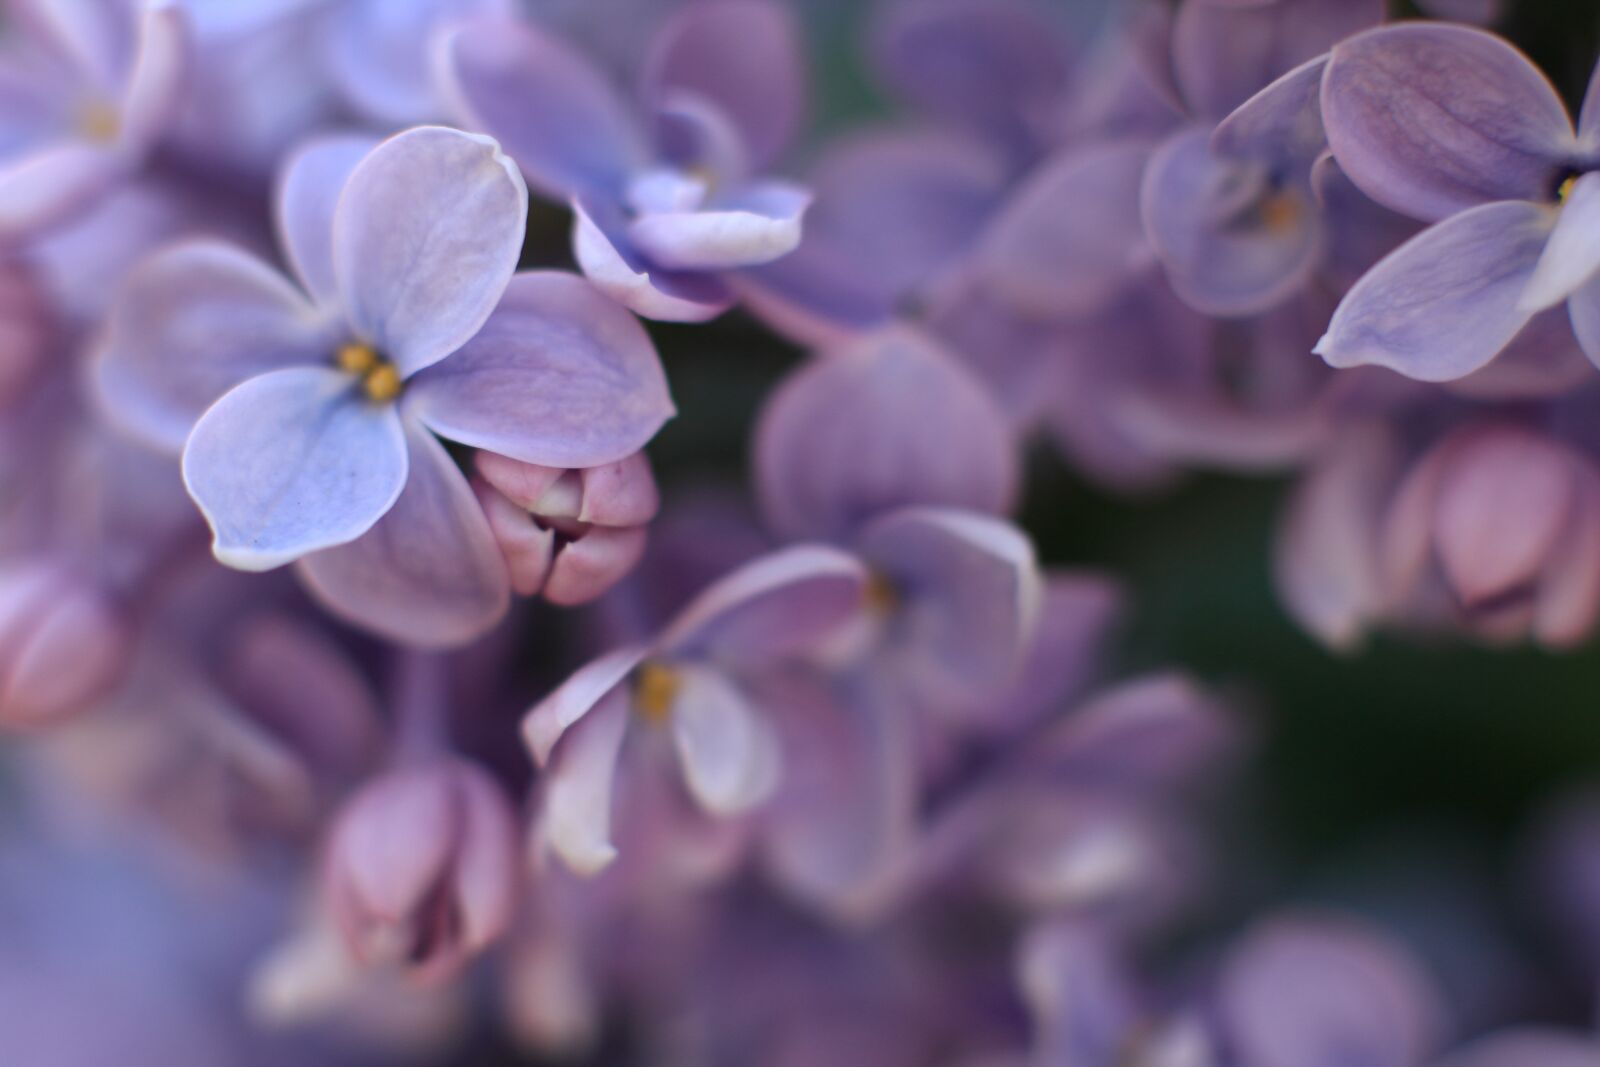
point(882, 596)
point(1564, 190)
point(1280, 212)
point(98, 121)
point(655, 688)
point(379, 378)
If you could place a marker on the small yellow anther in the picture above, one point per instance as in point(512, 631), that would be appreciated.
point(655, 687)
point(382, 383)
point(99, 122)
point(357, 357)
point(882, 597)
point(1565, 189)
point(1279, 212)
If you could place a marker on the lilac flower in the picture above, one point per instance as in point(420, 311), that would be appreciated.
point(318, 441)
point(378, 53)
point(692, 678)
point(85, 90)
point(422, 868)
point(666, 198)
point(569, 535)
point(1456, 127)
point(63, 643)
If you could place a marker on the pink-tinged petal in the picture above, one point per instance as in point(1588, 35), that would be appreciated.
point(967, 590)
point(1282, 121)
point(1568, 600)
point(620, 494)
point(1070, 238)
point(309, 184)
point(44, 188)
point(155, 85)
point(1325, 561)
point(429, 573)
point(841, 825)
point(777, 606)
point(1572, 255)
point(1432, 119)
point(555, 113)
point(608, 259)
point(291, 462)
point(1077, 615)
point(886, 422)
point(728, 751)
point(486, 860)
point(1528, 1047)
point(1312, 991)
point(391, 845)
point(594, 563)
point(191, 322)
point(559, 376)
point(1583, 308)
point(425, 237)
point(997, 66)
point(1223, 54)
point(745, 57)
point(1232, 240)
point(1406, 537)
point(1147, 732)
point(1446, 302)
point(755, 225)
point(528, 547)
point(575, 821)
point(548, 720)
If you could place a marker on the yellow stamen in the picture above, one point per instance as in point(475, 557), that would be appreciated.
point(99, 122)
point(1565, 189)
point(382, 383)
point(1280, 212)
point(655, 688)
point(882, 597)
point(357, 357)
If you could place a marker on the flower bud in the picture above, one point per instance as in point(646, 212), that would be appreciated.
point(422, 868)
point(26, 330)
point(568, 535)
point(63, 643)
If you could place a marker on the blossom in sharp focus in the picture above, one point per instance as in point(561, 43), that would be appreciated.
point(666, 193)
point(307, 417)
point(1454, 126)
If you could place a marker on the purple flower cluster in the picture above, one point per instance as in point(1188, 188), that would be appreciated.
point(369, 699)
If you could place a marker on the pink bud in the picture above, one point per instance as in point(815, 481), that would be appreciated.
point(63, 644)
point(26, 330)
point(422, 868)
point(568, 535)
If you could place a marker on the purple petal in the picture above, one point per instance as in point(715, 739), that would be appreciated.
point(378, 53)
point(154, 88)
point(427, 574)
point(1233, 241)
point(1281, 122)
point(549, 719)
point(1583, 307)
point(43, 188)
point(1223, 54)
point(1049, 255)
point(1528, 1047)
point(729, 753)
point(1572, 256)
point(1431, 119)
point(968, 590)
point(93, 36)
point(555, 113)
point(291, 462)
point(608, 259)
point(575, 821)
point(1306, 993)
point(1076, 615)
point(777, 606)
point(191, 322)
point(1081, 1000)
point(1446, 302)
point(743, 56)
point(1146, 732)
point(426, 235)
point(308, 190)
point(756, 225)
point(559, 376)
point(890, 421)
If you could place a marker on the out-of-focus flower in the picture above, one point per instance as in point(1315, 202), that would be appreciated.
point(87, 89)
point(422, 868)
point(63, 643)
point(667, 197)
point(379, 53)
point(318, 441)
point(569, 535)
point(691, 679)
point(1454, 126)
point(1531, 1047)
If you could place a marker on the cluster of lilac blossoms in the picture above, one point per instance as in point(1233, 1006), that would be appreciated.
point(367, 699)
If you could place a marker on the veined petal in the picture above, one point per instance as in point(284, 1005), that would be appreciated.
point(1430, 119)
point(425, 237)
point(1447, 301)
point(575, 821)
point(557, 115)
point(191, 322)
point(607, 258)
point(308, 190)
point(728, 751)
point(559, 376)
point(758, 224)
point(429, 573)
point(291, 462)
point(1573, 254)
